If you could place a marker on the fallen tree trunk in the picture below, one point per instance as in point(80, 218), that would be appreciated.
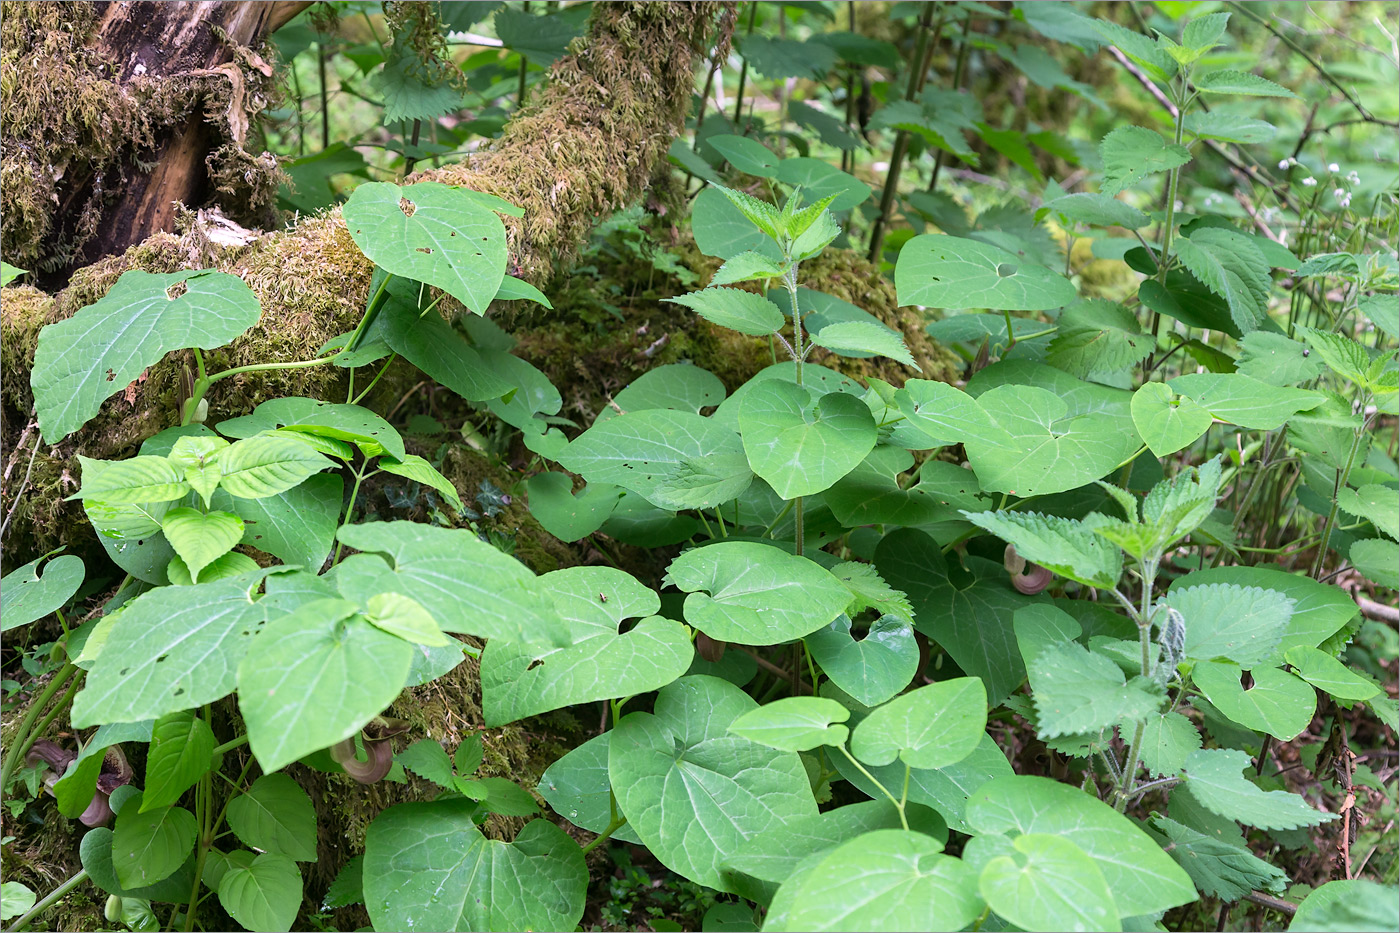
point(584, 146)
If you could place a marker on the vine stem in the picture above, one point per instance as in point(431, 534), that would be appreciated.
point(613, 826)
point(24, 736)
point(790, 281)
point(1341, 482)
point(49, 900)
point(898, 804)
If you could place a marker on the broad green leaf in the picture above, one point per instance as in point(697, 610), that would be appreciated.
point(171, 649)
point(1230, 265)
point(434, 346)
point(693, 793)
point(1067, 547)
point(747, 155)
point(405, 618)
point(232, 564)
point(181, 752)
point(1097, 209)
point(427, 759)
point(1383, 311)
point(1229, 127)
point(27, 596)
point(932, 727)
point(755, 594)
point(296, 525)
point(1142, 878)
point(468, 585)
point(888, 879)
point(968, 613)
point(873, 669)
point(1142, 50)
point(746, 267)
point(81, 362)
point(577, 787)
point(1043, 626)
point(567, 515)
point(801, 443)
point(1214, 778)
point(819, 179)
point(133, 481)
point(1077, 690)
point(360, 426)
point(149, 845)
point(1347, 907)
point(420, 470)
point(722, 230)
point(864, 338)
point(598, 663)
point(501, 795)
point(1218, 868)
point(787, 58)
point(761, 214)
point(947, 414)
point(95, 852)
point(1378, 504)
point(263, 466)
point(15, 897)
point(428, 866)
point(1050, 449)
point(794, 724)
point(943, 127)
point(1249, 403)
point(871, 493)
point(677, 385)
point(431, 233)
point(1319, 610)
point(1240, 82)
point(1243, 624)
point(1131, 153)
point(8, 274)
point(939, 271)
point(1167, 740)
point(1327, 673)
point(829, 129)
point(315, 677)
point(275, 815)
point(1167, 422)
point(735, 309)
point(264, 895)
point(1097, 337)
point(200, 538)
point(1278, 702)
point(1051, 884)
point(1376, 559)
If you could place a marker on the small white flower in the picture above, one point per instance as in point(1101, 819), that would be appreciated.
point(1354, 177)
point(1283, 163)
point(1339, 193)
point(1283, 237)
point(1309, 181)
point(1333, 167)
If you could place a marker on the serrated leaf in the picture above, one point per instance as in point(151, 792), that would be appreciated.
point(1340, 353)
point(761, 214)
point(1376, 559)
point(1218, 868)
point(1277, 702)
point(27, 596)
point(1097, 337)
point(746, 267)
point(935, 726)
point(1137, 47)
point(1051, 884)
point(275, 815)
point(799, 443)
point(1131, 153)
point(264, 895)
point(794, 724)
point(873, 669)
point(81, 362)
point(1168, 739)
point(1076, 690)
point(722, 230)
point(865, 338)
point(951, 272)
point(181, 752)
point(1240, 82)
point(1243, 624)
point(735, 309)
point(1232, 267)
point(426, 759)
point(755, 594)
point(1214, 778)
point(1067, 547)
point(868, 591)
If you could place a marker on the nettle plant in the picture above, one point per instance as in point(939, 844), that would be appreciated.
point(824, 787)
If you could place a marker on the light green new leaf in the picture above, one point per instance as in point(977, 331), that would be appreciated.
point(1229, 127)
point(1167, 740)
point(692, 792)
point(598, 663)
point(722, 230)
point(1240, 82)
point(1167, 422)
point(1378, 504)
point(25, 596)
point(232, 564)
point(275, 815)
point(1347, 907)
point(1214, 778)
point(148, 845)
point(15, 897)
point(406, 618)
point(1051, 884)
point(1243, 624)
point(419, 470)
point(263, 466)
point(1141, 49)
point(81, 362)
point(360, 426)
point(864, 338)
point(181, 752)
point(932, 727)
point(794, 724)
point(888, 879)
point(1218, 868)
point(171, 649)
point(263, 895)
point(1131, 153)
point(747, 155)
point(802, 443)
point(1076, 690)
point(201, 538)
point(1249, 403)
point(296, 525)
point(431, 233)
point(1327, 673)
point(1278, 703)
point(315, 677)
point(761, 214)
point(940, 271)
point(869, 591)
point(133, 481)
point(1141, 876)
point(746, 267)
point(735, 309)
point(755, 594)
point(872, 669)
point(8, 274)
point(427, 866)
point(1230, 265)
point(468, 585)
point(1097, 337)
point(1065, 546)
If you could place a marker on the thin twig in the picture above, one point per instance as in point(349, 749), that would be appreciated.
point(24, 484)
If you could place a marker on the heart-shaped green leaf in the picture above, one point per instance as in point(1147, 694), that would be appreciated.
point(1051, 884)
point(181, 752)
point(794, 724)
point(939, 271)
point(200, 538)
point(801, 443)
point(27, 596)
point(405, 617)
point(1278, 702)
point(265, 894)
point(873, 669)
point(148, 845)
point(747, 155)
point(564, 514)
point(275, 815)
point(932, 727)
point(1167, 422)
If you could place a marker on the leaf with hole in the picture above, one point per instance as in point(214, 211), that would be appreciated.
point(1277, 702)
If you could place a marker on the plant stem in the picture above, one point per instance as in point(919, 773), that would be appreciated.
point(350, 510)
point(325, 95)
point(1173, 176)
point(613, 826)
point(387, 363)
point(743, 71)
point(1341, 482)
point(790, 281)
point(231, 744)
point(958, 71)
point(871, 778)
point(1130, 768)
point(49, 900)
point(204, 791)
point(24, 736)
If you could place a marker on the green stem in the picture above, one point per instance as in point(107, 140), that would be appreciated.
point(958, 70)
point(1130, 768)
point(1173, 176)
point(231, 744)
point(1338, 486)
point(612, 827)
point(899, 805)
point(25, 734)
point(387, 363)
point(376, 301)
point(790, 281)
point(743, 72)
point(53, 897)
point(204, 791)
point(349, 511)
